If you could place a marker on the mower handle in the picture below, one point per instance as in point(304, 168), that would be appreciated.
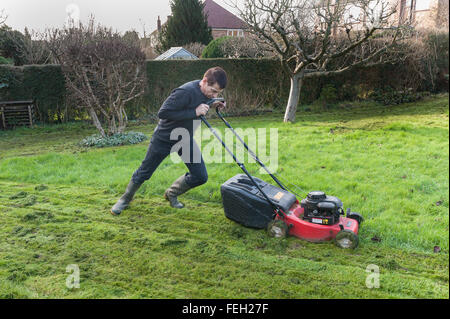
point(246, 146)
point(211, 102)
point(276, 209)
point(218, 99)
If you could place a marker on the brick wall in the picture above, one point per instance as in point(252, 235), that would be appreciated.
point(217, 33)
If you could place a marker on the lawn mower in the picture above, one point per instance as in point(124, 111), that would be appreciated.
point(254, 203)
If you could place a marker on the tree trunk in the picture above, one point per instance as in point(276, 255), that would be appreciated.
point(121, 118)
point(294, 96)
point(97, 123)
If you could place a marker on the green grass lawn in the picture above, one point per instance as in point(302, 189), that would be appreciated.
point(390, 163)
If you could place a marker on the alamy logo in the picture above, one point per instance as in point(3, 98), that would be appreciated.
point(73, 15)
point(373, 279)
point(262, 142)
point(73, 280)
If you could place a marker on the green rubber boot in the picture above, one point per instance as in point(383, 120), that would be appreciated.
point(178, 187)
point(126, 198)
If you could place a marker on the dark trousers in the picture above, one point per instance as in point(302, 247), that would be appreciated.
point(158, 150)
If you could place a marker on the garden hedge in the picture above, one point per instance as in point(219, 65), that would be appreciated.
point(251, 82)
point(42, 83)
point(261, 83)
point(254, 85)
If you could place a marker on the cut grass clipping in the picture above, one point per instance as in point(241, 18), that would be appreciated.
point(389, 163)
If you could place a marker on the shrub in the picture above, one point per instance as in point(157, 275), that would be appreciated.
point(102, 69)
point(424, 63)
point(240, 47)
point(438, 46)
point(390, 96)
point(214, 49)
point(347, 92)
point(328, 95)
point(11, 44)
point(114, 140)
point(4, 60)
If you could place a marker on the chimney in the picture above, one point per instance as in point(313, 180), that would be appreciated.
point(159, 24)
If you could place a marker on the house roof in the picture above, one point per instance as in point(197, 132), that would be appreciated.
point(220, 18)
point(177, 53)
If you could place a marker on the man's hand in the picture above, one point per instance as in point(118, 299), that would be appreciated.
point(220, 105)
point(202, 109)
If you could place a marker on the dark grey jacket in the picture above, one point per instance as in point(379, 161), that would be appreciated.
point(178, 110)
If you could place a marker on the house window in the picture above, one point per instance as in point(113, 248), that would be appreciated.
point(235, 33)
point(407, 8)
point(422, 5)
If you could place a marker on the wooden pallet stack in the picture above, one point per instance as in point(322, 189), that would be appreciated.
point(16, 113)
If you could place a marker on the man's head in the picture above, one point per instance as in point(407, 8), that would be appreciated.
point(213, 82)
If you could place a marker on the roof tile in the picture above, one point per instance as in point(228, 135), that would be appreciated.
point(220, 18)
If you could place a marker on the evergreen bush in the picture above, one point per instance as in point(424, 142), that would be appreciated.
point(214, 49)
point(4, 60)
point(187, 24)
point(328, 95)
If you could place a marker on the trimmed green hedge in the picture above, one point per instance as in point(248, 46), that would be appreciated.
point(261, 83)
point(42, 83)
point(254, 85)
point(11, 83)
point(46, 85)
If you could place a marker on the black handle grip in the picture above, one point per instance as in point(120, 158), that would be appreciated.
point(212, 101)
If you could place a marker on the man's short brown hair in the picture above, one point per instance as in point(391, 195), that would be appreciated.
point(216, 75)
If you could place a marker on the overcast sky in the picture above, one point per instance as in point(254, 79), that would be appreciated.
point(121, 15)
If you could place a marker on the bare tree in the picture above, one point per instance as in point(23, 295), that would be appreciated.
point(319, 37)
point(31, 47)
point(196, 48)
point(440, 13)
point(240, 47)
point(103, 71)
point(3, 17)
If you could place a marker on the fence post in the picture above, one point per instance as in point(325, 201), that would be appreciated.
point(29, 114)
point(3, 117)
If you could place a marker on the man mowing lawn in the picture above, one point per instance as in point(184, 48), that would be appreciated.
point(178, 112)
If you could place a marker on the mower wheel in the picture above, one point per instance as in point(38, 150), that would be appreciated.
point(346, 239)
point(277, 228)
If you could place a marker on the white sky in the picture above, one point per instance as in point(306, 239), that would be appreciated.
point(121, 15)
